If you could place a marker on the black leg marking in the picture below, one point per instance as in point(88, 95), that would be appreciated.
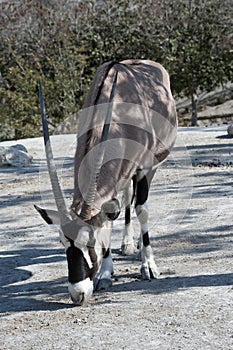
point(77, 265)
point(134, 178)
point(142, 187)
point(106, 253)
point(145, 239)
point(142, 191)
point(127, 215)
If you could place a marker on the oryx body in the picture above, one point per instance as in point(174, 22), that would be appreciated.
point(141, 132)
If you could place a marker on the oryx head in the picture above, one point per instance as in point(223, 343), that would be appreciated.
point(85, 242)
point(85, 238)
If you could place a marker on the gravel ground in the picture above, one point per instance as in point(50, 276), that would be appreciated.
point(191, 226)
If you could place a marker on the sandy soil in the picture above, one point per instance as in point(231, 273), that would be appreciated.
point(191, 226)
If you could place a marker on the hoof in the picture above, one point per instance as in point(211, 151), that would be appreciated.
point(128, 249)
point(149, 273)
point(145, 273)
point(154, 272)
point(102, 284)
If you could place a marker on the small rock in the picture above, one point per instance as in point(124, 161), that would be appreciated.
point(15, 155)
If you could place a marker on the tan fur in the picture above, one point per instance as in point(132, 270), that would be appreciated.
point(143, 114)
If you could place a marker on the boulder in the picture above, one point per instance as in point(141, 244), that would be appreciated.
point(16, 155)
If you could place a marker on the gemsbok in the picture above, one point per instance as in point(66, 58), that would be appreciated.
point(127, 127)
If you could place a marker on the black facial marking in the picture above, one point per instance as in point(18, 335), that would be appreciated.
point(145, 239)
point(44, 215)
point(77, 266)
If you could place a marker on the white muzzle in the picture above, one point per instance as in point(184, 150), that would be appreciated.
point(81, 292)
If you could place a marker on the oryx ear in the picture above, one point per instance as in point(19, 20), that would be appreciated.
point(111, 209)
point(50, 216)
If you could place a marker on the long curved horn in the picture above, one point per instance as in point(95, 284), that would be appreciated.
point(90, 196)
point(58, 195)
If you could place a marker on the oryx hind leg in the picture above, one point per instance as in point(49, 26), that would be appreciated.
point(148, 268)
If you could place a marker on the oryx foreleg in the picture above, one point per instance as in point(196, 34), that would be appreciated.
point(127, 245)
point(103, 279)
point(148, 268)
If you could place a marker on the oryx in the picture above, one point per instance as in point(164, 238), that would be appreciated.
point(126, 128)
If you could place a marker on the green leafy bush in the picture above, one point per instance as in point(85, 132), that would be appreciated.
point(62, 43)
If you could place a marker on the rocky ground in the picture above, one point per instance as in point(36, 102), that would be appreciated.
point(191, 226)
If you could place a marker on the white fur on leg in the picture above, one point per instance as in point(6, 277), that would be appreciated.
point(142, 213)
point(127, 245)
point(103, 279)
